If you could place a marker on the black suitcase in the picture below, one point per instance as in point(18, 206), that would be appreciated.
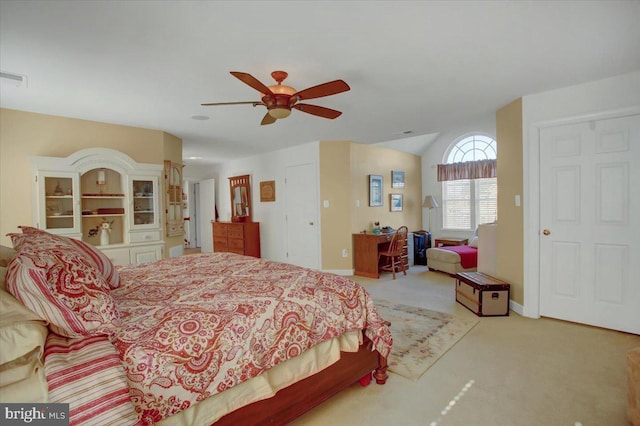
point(421, 242)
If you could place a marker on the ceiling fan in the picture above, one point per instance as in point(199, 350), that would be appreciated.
point(280, 99)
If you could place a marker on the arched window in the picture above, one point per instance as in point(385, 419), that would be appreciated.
point(466, 203)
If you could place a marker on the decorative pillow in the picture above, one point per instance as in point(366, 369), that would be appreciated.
point(22, 341)
point(3, 273)
point(21, 330)
point(474, 241)
point(100, 260)
point(32, 388)
point(62, 287)
point(6, 254)
point(95, 256)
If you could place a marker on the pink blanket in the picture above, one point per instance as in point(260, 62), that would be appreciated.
point(468, 255)
point(193, 326)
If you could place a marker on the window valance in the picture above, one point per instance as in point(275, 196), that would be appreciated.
point(468, 170)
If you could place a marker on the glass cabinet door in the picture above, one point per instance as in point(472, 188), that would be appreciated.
point(173, 203)
point(58, 197)
point(144, 193)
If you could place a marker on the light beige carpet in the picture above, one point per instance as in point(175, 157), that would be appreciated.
point(420, 336)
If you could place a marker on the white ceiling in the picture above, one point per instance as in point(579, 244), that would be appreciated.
point(418, 66)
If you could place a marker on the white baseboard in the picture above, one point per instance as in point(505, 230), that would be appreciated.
point(345, 272)
point(516, 307)
point(176, 251)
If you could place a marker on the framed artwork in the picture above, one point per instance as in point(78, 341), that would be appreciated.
point(375, 190)
point(268, 190)
point(397, 179)
point(395, 202)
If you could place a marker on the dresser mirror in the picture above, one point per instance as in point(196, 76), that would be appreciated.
point(240, 189)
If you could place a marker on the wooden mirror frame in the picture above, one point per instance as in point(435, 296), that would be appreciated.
point(240, 211)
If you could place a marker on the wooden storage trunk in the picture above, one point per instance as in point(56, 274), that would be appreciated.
point(482, 294)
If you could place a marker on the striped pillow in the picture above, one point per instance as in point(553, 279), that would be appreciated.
point(95, 256)
point(62, 287)
point(87, 374)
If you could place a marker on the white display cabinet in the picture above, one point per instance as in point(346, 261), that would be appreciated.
point(99, 188)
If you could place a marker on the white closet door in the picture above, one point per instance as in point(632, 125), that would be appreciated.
point(590, 223)
point(302, 216)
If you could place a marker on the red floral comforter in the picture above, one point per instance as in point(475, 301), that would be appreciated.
point(196, 325)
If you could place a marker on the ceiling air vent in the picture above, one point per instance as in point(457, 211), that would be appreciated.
point(12, 79)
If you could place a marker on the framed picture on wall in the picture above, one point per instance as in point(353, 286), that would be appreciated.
point(375, 190)
point(395, 202)
point(268, 190)
point(397, 179)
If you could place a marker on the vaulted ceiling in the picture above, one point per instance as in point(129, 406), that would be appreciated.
point(415, 68)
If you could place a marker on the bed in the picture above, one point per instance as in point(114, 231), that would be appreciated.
point(453, 259)
point(192, 340)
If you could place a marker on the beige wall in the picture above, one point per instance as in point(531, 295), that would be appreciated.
point(370, 160)
point(335, 176)
point(344, 181)
point(510, 230)
point(24, 134)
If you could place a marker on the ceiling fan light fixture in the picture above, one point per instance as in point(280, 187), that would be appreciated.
point(279, 113)
point(281, 89)
point(280, 99)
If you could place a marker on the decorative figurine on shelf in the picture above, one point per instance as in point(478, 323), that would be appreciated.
point(58, 190)
point(104, 229)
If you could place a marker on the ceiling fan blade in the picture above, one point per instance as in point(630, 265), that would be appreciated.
point(325, 89)
point(254, 103)
point(252, 81)
point(268, 119)
point(318, 110)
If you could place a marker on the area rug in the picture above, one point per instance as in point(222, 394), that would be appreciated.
point(420, 336)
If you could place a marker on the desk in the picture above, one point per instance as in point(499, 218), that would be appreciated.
point(445, 241)
point(365, 253)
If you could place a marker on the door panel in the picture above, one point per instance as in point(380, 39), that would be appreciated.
point(302, 211)
point(207, 213)
point(590, 208)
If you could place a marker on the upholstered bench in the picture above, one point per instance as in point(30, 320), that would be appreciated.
point(445, 260)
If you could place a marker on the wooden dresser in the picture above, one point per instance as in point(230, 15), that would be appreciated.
point(237, 237)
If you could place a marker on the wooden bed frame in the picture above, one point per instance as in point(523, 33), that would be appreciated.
point(302, 396)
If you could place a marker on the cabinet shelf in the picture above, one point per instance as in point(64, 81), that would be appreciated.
point(59, 216)
point(87, 216)
point(59, 196)
point(102, 197)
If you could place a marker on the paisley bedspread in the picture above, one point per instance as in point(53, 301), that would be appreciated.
point(193, 326)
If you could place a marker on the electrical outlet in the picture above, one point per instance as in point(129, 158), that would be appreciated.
point(345, 253)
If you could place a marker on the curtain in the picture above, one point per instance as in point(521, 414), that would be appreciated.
point(467, 170)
